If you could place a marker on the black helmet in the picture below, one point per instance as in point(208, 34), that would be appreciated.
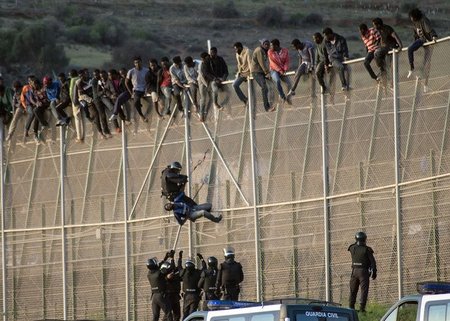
point(360, 237)
point(165, 268)
point(212, 262)
point(152, 264)
point(228, 252)
point(189, 264)
point(176, 165)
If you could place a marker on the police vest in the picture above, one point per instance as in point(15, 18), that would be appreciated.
point(360, 255)
point(171, 186)
point(157, 281)
point(210, 279)
point(231, 273)
point(190, 280)
point(174, 284)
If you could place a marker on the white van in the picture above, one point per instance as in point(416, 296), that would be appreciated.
point(274, 310)
point(432, 303)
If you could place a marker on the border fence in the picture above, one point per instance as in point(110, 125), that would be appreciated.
point(294, 185)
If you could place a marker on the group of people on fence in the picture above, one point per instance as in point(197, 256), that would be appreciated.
point(212, 281)
point(107, 94)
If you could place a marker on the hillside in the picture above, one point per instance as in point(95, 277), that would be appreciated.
point(105, 33)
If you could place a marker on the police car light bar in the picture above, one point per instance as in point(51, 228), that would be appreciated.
point(433, 287)
point(224, 305)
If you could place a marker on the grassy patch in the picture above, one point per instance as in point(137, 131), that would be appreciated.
point(85, 56)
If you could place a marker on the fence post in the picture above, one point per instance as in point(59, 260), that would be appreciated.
point(397, 171)
point(251, 106)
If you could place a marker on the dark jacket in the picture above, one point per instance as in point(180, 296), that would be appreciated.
point(423, 29)
point(337, 51)
point(219, 67)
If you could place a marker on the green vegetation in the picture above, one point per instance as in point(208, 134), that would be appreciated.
point(374, 312)
point(32, 37)
point(86, 56)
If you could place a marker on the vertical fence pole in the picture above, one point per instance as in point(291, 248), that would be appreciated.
point(62, 173)
point(326, 218)
point(397, 170)
point(125, 213)
point(255, 193)
point(2, 199)
point(187, 146)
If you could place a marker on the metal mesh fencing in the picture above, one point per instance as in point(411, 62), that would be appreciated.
point(263, 171)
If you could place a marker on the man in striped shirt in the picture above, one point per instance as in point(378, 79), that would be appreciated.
point(371, 38)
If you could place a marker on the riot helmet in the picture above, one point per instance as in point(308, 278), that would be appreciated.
point(165, 268)
point(228, 252)
point(189, 264)
point(176, 166)
point(360, 238)
point(212, 262)
point(152, 264)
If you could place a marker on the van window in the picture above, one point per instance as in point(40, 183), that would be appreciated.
point(404, 312)
point(265, 316)
point(439, 311)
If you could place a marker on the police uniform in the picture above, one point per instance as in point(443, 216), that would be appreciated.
point(363, 266)
point(173, 183)
point(191, 298)
point(173, 294)
point(229, 276)
point(158, 284)
point(207, 283)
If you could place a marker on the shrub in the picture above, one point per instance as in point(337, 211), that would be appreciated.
point(225, 11)
point(313, 19)
point(270, 16)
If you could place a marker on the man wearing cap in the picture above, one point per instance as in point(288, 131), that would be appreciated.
point(260, 70)
point(229, 276)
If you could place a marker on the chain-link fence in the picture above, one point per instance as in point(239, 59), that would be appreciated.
point(74, 247)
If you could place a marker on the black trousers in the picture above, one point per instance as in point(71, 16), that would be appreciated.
point(160, 302)
point(190, 303)
point(359, 278)
point(231, 293)
point(174, 301)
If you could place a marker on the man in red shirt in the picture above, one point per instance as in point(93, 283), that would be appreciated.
point(279, 65)
point(371, 38)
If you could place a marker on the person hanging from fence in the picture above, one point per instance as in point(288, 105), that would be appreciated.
point(423, 32)
point(184, 208)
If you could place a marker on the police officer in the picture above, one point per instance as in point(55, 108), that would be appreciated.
point(183, 207)
point(174, 289)
point(363, 266)
point(158, 283)
point(190, 277)
point(173, 183)
point(229, 276)
point(207, 282)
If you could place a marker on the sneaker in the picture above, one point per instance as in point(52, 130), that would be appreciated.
point(410, 73)
point(36, 139)
point(218, 106)
point(291, 93)
point(112, 117)
point(60, 122)
point(426, 88)
point(145, 119)
point(217, 219)
point(118, 130)
point(271, 108)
